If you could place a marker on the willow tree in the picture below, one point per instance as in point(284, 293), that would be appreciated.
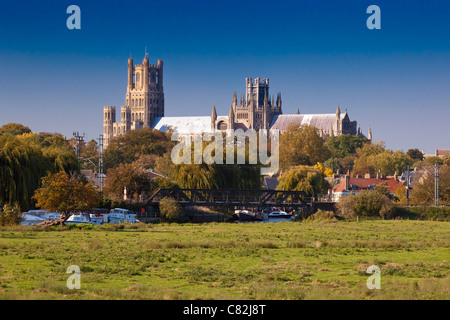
point(201, 175)
point(25, 159)
point(304, 178)
point(21, 167)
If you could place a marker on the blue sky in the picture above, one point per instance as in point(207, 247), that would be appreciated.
point(317, 53)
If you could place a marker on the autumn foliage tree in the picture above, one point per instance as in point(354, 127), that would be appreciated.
point(373, 158)
point(66, 195)
point(130, 176)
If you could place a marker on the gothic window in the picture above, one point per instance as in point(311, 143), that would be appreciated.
point(138, 77)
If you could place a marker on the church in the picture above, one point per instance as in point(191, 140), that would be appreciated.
point(256, 109)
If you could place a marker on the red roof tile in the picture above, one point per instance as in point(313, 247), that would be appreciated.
point(364, 183)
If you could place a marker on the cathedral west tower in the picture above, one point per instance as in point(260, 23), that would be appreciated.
point(144, 100)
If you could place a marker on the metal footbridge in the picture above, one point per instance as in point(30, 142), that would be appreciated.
point(230, 198)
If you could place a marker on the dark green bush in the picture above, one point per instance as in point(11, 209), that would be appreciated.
point(422, 213)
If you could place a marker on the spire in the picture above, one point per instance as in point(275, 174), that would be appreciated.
point(231, 114)
point(214, 113)
point(369, 135)
point(234, 99)
point(338, 112)
point(279, 102)
point(266, 101)
point(298, 111)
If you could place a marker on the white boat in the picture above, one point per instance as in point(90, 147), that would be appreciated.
point(77, 218)
point(51, 216)
point(38, 212)
point(279, 214)
point(98, 218)
point(31, 219)
point(119, 215)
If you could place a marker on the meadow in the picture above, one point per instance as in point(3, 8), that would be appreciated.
point(284, 260)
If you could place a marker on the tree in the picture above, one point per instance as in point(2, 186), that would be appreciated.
point(431, 161)
point(14, 129)
point(446, 160)
point(400, 195)
point(373, 158)
point(65, 195)
point(170, 209)
point(334, 164)
point(217, 176)
point(345, 145)
point(327, 172)
point(423, 191)
point(304, 178)
point(25, 159)
point(415, 154)
point(129, 175)
point(89, 155)
point(301, 145)
point(129, 147)
point(22, 164)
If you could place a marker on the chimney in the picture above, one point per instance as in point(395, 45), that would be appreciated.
point(347, 182)
point(395, 176)
point(378, 175)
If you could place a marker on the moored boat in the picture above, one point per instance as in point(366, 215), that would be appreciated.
point(77, 218)
point(280, 214)
point(31, 219)
point(119, 215)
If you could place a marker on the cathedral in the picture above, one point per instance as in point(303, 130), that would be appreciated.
point(256, 109)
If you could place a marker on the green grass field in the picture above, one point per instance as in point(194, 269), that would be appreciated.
point(285, 260)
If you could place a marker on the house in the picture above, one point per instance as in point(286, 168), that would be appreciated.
point(93, 177)
point(349, 185)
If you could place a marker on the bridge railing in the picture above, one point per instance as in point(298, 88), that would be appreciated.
point(218, 197)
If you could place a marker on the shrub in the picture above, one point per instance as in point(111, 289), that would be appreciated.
point(11, 215)
point(170, 209)
point(422, 213)
point(366, 203)
point(322, 216)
